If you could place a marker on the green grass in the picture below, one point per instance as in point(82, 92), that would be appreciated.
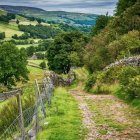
point(35, 73)
point(37, 61)
point(10, 30)
point(104, 120)
point(23, 46)
point(64, 119)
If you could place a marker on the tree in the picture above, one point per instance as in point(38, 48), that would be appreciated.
point(13, 64)
point(15, 36)
point(122, 5)
point(2, 35)
point(17, 21)
point(39, 21)
point(101, 23)
point(43, 65)
point(66, 52)
point(30, 51)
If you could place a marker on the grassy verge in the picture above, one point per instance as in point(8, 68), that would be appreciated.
point(64, 119)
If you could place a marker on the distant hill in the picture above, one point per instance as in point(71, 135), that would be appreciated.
point(80, 19)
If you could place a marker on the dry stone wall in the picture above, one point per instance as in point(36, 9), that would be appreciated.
point(131, 61)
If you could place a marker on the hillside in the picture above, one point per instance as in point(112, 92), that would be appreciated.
point(53, 16)
point(70, 81)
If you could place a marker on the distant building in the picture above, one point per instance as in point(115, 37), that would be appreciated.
point(34, 57)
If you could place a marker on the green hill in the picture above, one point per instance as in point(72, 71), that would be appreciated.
point(53, 16)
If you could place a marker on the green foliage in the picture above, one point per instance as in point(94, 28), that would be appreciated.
point(125, 46)
point(43, 65)
point(130, 82)
point(118, 39)
point(40, 55)
point(134, 86)
point(22, 37)
point(39, 31)
point(30, 51)
point(101, 23)
point(127, 73)
point(2, 35)
point(90, 82)
point(17, 21)
point(12, 64)
point(66, 52)
point(122, 5)
point(7, 17)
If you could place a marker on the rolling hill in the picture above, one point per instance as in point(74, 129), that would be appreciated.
point(78, 19)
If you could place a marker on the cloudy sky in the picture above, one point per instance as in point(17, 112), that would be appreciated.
point(82, 6)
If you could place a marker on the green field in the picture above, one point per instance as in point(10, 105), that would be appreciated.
point(26, 46)
point(10, 30)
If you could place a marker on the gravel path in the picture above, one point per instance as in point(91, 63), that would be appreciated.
point(107, 118)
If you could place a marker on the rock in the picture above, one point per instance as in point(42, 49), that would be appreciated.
point(131, 61)
point(32, 133)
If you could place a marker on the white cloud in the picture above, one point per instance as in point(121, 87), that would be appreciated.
point(85, 6)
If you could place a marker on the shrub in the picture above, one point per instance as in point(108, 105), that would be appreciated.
point(2, 35)
point(133, 87)
point(127, 73)
point(43, 65)
point(130, 83)
point(90, 82)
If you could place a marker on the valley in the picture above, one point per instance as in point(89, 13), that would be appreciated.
point(70, 76)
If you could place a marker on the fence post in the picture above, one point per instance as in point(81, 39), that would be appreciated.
point(42, 105)
point(21, 122)
point(36, 111)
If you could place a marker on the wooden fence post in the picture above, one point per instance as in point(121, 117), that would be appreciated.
point(36, 110)
point(42, 105)
point(21, 121)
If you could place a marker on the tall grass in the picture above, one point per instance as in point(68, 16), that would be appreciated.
point(9, 109)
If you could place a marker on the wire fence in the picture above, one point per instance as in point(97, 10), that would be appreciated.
point(27, 124)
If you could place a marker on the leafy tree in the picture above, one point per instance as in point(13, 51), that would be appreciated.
point(40, 55)
point(2, 35)
point(122, 5)
point(101, 23)
point(13, 64)
point(115, 40)
point(30, 51)
point(40, 31)
point(66, 51)
point(17, 21)
point(15, 36)
point(7, 18)
point(39, 21)
point(43, 65)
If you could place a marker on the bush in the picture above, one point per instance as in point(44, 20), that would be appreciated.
point(133, 87)
point(130, 83)
point(43, 65)
point(127, 73)
point(90, 82)
point(2, 35)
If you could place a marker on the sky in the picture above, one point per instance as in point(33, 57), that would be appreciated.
point(81, 6)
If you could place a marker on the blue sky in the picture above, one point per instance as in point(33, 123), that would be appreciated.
point(82, 6)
